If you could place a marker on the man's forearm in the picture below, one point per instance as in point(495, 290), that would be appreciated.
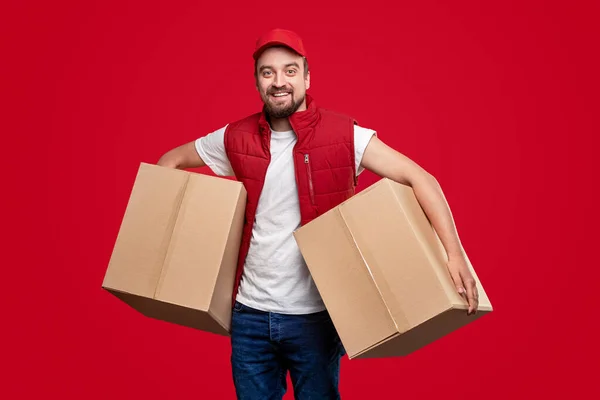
point(387, 162)
point(431, 198)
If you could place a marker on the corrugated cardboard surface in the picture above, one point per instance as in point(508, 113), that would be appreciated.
point(433, 247)
point(176, 252)
point(350, 294)
point(145, 233)
point(381, 271)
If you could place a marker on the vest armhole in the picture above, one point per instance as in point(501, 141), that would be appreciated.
point(226, 140)
point(353, 150)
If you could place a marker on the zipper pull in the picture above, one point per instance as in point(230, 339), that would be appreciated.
point(306, 158)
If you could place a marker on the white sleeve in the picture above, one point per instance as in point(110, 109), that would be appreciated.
point(211, 149)
point(362, 137)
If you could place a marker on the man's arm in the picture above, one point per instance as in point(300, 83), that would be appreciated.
point(182, 157)
point(386, 162)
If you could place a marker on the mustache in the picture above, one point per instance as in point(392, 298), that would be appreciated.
point(273, 90)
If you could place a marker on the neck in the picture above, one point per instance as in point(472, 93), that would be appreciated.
point(280, 124)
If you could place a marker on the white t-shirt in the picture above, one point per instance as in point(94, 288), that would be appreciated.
point(275, 276)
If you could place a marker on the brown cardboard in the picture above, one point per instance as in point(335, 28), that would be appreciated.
point(176, 251)
point(381, 270)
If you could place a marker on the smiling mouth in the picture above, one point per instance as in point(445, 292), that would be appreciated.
point(280, 95)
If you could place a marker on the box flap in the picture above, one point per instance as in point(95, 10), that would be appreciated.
point(220, 305)
point(197, 247)
point(344, 281)
point(404, 275)
point(140, 249)
point(434, 249)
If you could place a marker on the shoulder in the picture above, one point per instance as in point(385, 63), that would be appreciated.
point(336, 116)
point(246, 124)
point(362, 137)
point(240, 133)
point(364, 131)
point(360, 132)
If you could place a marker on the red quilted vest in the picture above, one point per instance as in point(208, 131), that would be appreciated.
point(323, 159)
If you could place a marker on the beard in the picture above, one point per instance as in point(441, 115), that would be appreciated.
point(281, 110)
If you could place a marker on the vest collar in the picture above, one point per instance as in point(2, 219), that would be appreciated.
point(302, 122)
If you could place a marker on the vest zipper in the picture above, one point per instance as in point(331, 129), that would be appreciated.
point(310, 182)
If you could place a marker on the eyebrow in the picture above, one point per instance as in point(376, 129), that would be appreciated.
point(293, 64)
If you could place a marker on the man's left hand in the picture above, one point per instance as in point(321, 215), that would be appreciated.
point(464, 282)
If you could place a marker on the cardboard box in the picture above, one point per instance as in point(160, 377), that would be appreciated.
point(381, 271)
point(176, 252)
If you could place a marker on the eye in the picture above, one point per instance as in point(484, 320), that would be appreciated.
point(266, 73)
point(291, 71)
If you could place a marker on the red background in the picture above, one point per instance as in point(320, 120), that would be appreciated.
point(497, 99)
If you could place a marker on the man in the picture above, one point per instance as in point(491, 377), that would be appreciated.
point(297, 161)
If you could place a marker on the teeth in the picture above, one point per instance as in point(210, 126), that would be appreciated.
point(280, 94)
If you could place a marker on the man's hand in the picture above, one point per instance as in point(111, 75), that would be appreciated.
point(464, 282)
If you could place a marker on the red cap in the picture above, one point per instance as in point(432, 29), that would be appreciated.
point(279, 37)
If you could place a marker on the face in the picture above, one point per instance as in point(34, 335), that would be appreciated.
point(281, 81)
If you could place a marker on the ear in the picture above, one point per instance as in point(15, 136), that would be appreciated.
point(307, 80)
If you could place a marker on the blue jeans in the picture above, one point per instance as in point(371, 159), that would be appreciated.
point(265, 346)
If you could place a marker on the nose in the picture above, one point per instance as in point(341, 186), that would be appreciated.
point(279, 80)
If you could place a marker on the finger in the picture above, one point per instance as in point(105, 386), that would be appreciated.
point(458, 283)
point(472, 294)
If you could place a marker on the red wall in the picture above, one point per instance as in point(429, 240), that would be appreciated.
point(497, 99)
